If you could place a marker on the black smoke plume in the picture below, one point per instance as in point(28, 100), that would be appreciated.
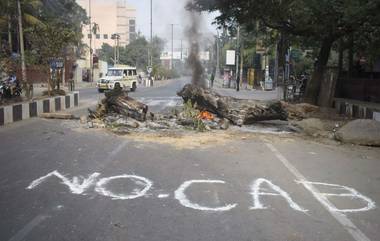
point(193, 35)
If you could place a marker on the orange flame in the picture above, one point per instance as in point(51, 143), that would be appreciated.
point(205, 115)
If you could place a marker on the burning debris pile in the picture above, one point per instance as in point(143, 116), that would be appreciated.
point(118, 102)
point(238, 111)
point(203, 110)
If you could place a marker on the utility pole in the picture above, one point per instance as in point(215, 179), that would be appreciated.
point(118, 48)
point(237, 58)
point(181, 50)
point(22, 51)
point(217, 74)
point(241, 50)
point(114, 50)
point(172, 57)
point(151, 34)
point(91, 57)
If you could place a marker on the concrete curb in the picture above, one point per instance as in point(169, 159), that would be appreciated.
point(23, 111)
point(357, 109)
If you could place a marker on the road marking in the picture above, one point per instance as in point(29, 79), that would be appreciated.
point(118, 149)
point(161, 196)
point(182, 198)
point(142, 181)
point(352, 194)
point(20, 235)
point(78, 185)
point(347, 224)
point(256, 193)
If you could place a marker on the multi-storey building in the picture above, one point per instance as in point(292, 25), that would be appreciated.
point(112, 17)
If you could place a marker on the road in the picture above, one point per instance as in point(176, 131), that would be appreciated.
point(158, 98)
point(59, 181)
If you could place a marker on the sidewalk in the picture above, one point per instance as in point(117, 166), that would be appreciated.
point(38, 89)
point(252, 94)
point(156, 83)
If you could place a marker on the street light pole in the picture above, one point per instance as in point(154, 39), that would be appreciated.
point(151, 34)
point(172, 59)
point(91, 57)
point(22, 51)
point(181, 50)
point(217, 74)
point(237, 58)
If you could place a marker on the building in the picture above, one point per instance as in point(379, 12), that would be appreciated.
point(112, 17)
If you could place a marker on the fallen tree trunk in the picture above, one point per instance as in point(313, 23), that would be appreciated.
point(238, 111)
point(119, 102)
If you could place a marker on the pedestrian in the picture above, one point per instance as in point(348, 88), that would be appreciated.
point(212, 78)
point(229, 80)
point(237, 82)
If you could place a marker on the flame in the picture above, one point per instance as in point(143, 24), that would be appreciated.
point(205, 115)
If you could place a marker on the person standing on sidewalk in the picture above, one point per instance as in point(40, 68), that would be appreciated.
point(212, 78)
point(237, 82)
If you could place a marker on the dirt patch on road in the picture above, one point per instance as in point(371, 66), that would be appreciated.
point(185, 140)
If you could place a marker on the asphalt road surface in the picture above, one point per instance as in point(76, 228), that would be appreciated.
point(59, 181)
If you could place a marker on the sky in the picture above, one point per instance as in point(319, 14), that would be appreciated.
point(166, 12)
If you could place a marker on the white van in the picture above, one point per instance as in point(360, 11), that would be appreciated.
point(120, 75)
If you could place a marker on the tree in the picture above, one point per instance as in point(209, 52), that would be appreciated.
point(323, 22)
point(135, 53)
point(106, 53)
point(51, 41)
point(18, 13)
point(39, 15)
point(158, 45)
point(60, 33)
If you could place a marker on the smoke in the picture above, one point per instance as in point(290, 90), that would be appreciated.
point(193, 37)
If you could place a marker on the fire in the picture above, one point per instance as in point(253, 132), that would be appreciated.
point(205, 115)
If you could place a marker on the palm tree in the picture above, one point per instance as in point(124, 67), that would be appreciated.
point(9, 15)
point(20, 11)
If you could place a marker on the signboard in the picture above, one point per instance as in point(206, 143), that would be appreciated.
point(56, 63)
point(204, 55)
point(230, 57)
point(149, 69)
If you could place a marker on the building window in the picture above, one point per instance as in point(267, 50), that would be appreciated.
point(105, 36)
point(89, 36)
point(132, 29)
point(98, 36)
point(132, 22)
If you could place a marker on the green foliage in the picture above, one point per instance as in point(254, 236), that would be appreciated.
point(161, 72)
point(50, 40)
point(106, 53)
point(301, 61)
point(136, 53)
point(38, 14)
point(307, 22)
point(190, 112)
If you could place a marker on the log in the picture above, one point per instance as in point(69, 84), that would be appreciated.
point(238, 111)
point(118, 101)
point(58, 116)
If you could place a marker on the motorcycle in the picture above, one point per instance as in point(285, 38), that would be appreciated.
point(5, 91)
point(17, 90)
point(9, 89)
point(1, 91)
